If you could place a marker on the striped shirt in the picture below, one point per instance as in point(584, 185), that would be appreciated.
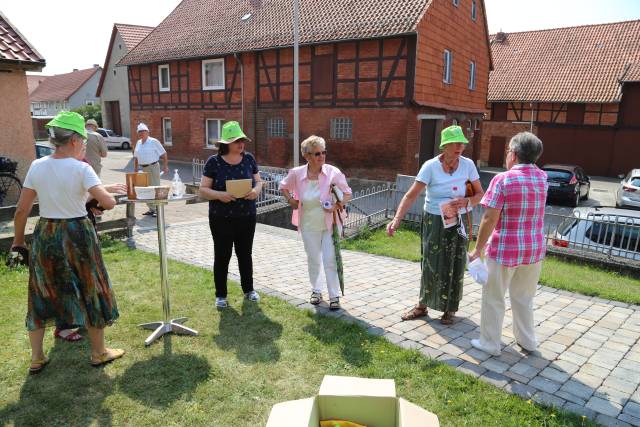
point(520, 194)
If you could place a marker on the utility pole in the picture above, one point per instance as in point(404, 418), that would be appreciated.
point(296, 89)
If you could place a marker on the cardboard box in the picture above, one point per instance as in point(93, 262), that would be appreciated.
point(370, 402)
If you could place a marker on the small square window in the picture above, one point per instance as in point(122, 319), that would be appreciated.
point(474, 10)
point(213, 131)
point(213, 74)
point(446, 75)
point(341, 128)
point(456, 3)
point(276, 128)
point(164, 80)
point(167, 135)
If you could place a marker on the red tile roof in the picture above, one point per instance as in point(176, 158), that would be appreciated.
point(14, 47)
point(61, 86)
point(576, 64)
point(33, 81)
point(631, 74)
point(131, 35)
point(205, 28)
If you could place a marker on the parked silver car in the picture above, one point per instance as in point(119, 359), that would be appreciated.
point(113, 140)
point(628, 194)
point(609, 231)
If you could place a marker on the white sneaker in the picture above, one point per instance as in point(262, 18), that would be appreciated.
point(221, 302)
point(252, 296)
point(476, 344)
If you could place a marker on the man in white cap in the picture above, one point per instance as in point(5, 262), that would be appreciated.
point(147, 154)
point(96, 146)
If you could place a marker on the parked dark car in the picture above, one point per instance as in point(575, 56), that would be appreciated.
point(567, 183)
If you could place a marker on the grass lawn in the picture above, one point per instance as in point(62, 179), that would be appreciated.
point(247, 358)
point(556, 272)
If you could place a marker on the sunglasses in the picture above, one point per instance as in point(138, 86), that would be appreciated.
point(320, 153)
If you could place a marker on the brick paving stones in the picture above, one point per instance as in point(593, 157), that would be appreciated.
point(588, 360)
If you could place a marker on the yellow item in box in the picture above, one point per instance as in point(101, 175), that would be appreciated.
point(339, 423)
point(370, 402)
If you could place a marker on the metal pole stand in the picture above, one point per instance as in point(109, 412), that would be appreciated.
point(165, 326)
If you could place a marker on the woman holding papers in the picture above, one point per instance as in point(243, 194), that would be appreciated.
point(231, 183)
point(444, 241)
point(308, 191)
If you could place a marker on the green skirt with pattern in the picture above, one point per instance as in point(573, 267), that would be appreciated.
point(68, 282)
point(444, 257)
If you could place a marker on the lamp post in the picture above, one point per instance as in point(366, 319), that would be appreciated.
point(296, 89)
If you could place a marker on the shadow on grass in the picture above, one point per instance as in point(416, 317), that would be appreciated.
point(69, 384)
point(250, 333)
point(351, 339)
point(161, 380)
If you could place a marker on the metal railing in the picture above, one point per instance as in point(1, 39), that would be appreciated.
point(595, 235)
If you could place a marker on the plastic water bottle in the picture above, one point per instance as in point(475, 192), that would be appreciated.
point(177, 187)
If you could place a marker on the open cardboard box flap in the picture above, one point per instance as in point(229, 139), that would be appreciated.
point(371, 402)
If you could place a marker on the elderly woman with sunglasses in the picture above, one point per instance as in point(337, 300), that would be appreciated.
point(308, 191)
point(444, 247)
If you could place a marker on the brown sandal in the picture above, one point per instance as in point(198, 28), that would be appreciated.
point(447, 318)
point(414, 313)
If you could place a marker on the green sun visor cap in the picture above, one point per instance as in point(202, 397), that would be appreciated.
point(451, 135)
point(69, 120)
point(231, 132)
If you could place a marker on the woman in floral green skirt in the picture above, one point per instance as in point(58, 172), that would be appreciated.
point(444, 241)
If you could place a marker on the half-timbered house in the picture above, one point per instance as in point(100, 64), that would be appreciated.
point(378, 79)
point(578, 88)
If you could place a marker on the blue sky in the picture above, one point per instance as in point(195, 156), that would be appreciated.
point(75, 33)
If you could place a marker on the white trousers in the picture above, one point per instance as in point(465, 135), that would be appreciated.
point(521, 281)
point(320, 251)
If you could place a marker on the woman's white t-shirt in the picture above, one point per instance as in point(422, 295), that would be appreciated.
point(61, 185)
point(442, 186)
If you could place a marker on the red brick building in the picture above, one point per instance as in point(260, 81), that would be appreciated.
point(578, 88)
point(378, 79)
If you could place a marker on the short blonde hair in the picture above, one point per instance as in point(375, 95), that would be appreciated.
point(312, 142)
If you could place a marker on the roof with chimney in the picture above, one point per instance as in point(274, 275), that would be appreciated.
point(61, 87)
point(15, 49)
point(205, 28)
point(575, 64)
point(131, 35)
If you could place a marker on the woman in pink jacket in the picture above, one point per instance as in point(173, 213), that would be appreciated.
point(308, 191)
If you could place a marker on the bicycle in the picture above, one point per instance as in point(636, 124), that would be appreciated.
point(10, 184)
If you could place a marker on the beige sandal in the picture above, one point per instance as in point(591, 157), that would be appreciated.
point(38, 365)
point(108, 356)
point(414, 313)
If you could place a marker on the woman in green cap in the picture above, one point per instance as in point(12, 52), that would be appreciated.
point(232, 220)
point(444, 246)
point(68, 281)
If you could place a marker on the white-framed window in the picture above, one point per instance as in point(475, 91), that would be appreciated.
point(447, 59)
point(87, 102)
point(474, 9)
point(164, 78)
point(213, 74)
point(472, 75)
point(167, 135)
point(476, 124)
point(213, 131)
point(456, 3)
point(276, 127)
point(341, 128)
point(454, 122)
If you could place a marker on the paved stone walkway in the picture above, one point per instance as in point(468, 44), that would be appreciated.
point(589, 356)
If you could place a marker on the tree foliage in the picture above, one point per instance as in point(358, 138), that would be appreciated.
point(90, 112)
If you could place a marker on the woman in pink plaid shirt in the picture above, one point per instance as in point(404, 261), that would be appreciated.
point(513, 224)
